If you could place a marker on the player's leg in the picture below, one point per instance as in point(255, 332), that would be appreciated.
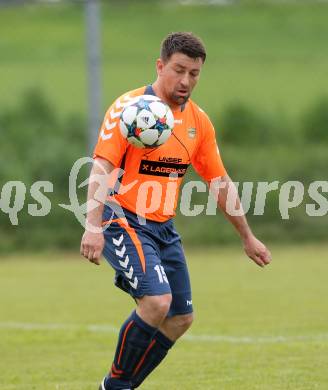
point(180, 315)
point(126, 252)
point(163, 340)
point(135, 339)
point(176, 326)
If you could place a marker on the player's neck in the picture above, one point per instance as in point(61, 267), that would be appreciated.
point(159, 92)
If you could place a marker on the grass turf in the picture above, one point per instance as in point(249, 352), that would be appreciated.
point(255, 328)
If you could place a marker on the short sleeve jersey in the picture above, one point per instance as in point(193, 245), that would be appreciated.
point(152, 177)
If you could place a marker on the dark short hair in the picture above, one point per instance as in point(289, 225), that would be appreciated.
point(182, 42)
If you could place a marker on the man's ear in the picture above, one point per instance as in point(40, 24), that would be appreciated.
point(159, 66)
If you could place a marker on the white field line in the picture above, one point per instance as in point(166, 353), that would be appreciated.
point(206, 338)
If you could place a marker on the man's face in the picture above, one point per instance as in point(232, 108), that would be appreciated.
point(178, 77)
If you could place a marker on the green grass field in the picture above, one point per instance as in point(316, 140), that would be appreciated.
point(272, 57)
point(255, 328)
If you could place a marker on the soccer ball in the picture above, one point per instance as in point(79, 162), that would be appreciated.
point(146, 122)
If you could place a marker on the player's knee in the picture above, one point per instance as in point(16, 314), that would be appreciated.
point(155, 307)
point(184, 321)
point(161, 305)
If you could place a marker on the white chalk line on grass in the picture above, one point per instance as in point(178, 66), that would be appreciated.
point(206, 338)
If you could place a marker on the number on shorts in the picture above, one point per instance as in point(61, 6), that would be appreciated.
point(161, 273)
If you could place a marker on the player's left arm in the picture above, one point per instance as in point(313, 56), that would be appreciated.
point(253, 247)
point(208, 164)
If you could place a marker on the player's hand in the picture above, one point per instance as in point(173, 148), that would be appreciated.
point(257, 251)
point(92, 245)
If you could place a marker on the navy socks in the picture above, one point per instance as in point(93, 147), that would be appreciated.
point(140, 349)
point(134, 339)
point(156, 352)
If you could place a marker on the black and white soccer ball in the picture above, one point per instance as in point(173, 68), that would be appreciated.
point(147, 122)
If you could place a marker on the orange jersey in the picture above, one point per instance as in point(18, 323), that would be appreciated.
point(152, 177)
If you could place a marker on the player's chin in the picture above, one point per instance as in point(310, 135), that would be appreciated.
point(181, 98)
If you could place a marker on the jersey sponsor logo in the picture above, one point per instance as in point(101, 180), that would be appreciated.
point(170, 159)
point(161, 168)
point(178, 121)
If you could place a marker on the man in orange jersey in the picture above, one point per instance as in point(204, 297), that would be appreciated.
point(146, 254)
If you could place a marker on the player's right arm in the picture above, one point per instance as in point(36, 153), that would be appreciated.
point(93, 241)
point(108, 154)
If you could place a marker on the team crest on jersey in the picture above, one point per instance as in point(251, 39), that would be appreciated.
point(192, 132)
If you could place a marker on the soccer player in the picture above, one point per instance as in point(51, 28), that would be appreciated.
point(147, 255)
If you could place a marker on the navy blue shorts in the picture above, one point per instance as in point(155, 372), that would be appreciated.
point(148, 259)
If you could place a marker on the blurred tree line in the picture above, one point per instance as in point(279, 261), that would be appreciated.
point(36, 144)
